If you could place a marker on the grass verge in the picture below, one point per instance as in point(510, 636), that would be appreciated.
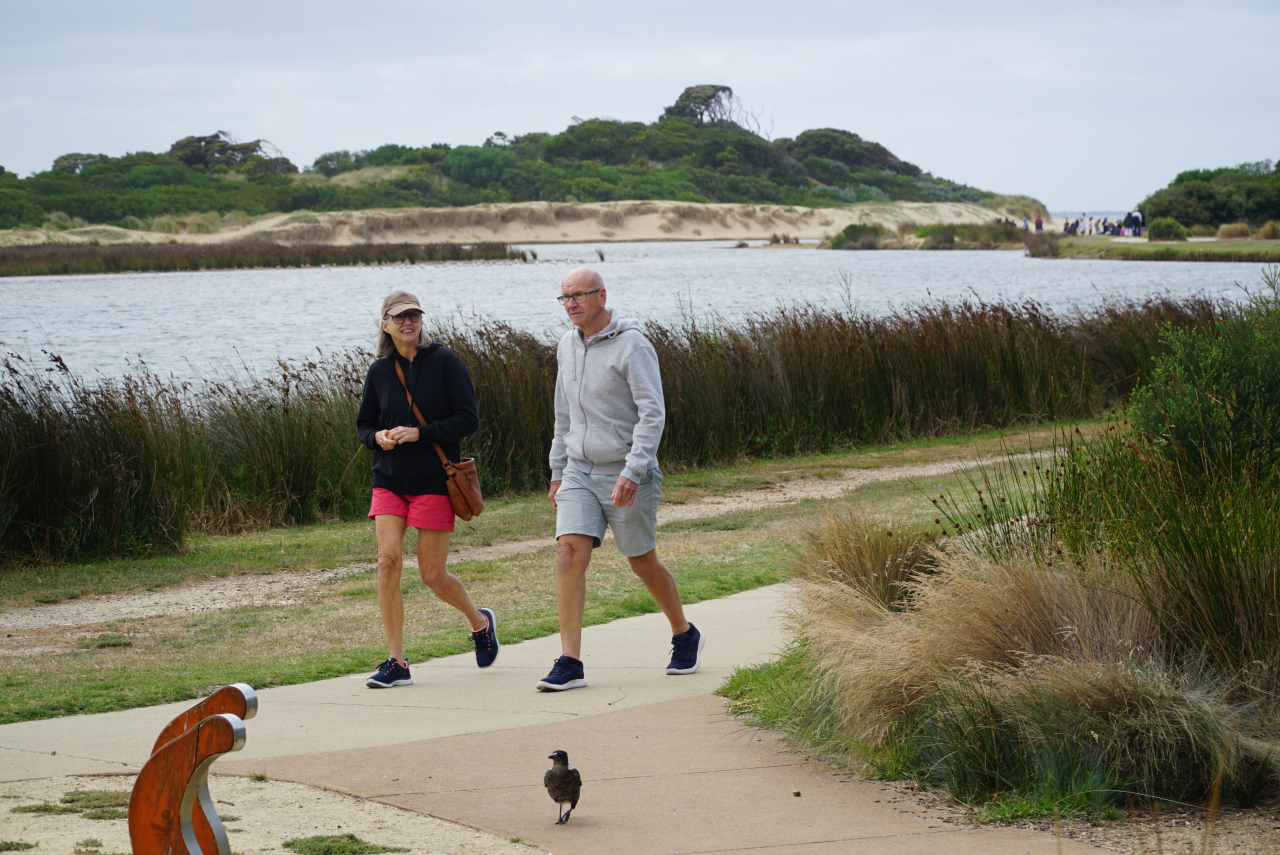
point(337, 631)
point(338, 544)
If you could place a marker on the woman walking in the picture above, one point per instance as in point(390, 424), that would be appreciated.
point(409, 486)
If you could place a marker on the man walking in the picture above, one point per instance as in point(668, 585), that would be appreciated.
point(604, 469)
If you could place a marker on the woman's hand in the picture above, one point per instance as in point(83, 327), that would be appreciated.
point(404, 434)
point(384, 440)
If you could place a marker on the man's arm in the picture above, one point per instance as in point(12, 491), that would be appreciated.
point(559, 457)
point(645, 380)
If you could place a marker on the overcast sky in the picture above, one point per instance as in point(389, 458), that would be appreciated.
point(1086, 106)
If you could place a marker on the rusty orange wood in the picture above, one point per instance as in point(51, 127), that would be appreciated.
point(172, 790)
point(238, 699)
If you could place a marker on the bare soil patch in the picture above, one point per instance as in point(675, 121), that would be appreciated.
point(268, 812)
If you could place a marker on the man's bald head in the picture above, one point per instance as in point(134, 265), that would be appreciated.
point(581, 279)
point(587, 311)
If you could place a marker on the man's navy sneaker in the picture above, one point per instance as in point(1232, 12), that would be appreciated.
point(390, 673)
point(686, 651)
point(565, 674)
point(486, 640)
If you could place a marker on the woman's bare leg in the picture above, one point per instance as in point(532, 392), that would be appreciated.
point(433, 550)
point(390, 533)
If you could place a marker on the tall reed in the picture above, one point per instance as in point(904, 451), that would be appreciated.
point(62, 259)
point(229, 454)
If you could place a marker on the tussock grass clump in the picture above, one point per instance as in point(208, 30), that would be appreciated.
point(1089, 734)
point(983, 236)
point(1233, 230)
point(1042, 245)
point(1005, 675)
point(858, 236)
point(1270, 231)
point(1166, 228)
point(846, 548)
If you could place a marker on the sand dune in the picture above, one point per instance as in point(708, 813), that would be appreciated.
point(543, 222)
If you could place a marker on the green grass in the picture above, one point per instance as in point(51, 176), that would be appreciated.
point(338, 844)
point(45, 807)
point(15, 845)
point(1094, 246)
point(336, 630)
point(294, 548)
point(339, 544)
point(87, 799)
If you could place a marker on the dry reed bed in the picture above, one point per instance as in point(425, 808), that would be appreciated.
point(128, 466)
point(63, 259)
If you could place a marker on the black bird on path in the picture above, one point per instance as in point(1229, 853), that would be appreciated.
point(563, 784)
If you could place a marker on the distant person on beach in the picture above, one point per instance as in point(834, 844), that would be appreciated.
point(604, 469)
point(413, 376)
point(1025, 225)
point(1039, 224)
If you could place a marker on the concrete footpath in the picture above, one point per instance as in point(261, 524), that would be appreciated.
point(665, 769)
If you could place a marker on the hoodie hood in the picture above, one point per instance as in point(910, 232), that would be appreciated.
point(618, 323)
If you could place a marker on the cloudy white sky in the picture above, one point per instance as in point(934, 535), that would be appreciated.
point(1083, 105)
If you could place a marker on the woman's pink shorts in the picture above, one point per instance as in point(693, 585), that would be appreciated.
point(427, 511)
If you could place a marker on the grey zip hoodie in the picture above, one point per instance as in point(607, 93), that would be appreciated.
point(609, 406)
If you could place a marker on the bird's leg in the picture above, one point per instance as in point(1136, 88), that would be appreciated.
point(562, 818)
point(566, 815)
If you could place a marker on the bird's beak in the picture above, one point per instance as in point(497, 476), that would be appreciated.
point(551, 756)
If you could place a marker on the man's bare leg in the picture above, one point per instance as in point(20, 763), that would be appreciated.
point(573, 555)
point(661, 584)
point(389, 529)
point(433, 552)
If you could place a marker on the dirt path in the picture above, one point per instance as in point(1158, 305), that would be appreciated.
point(292, 587)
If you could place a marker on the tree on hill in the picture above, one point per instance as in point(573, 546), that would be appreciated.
point(703, 105)
point(221, 149)
point(847, 148)
point(71, 164)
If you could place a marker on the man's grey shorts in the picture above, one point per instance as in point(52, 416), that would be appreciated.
point(585, 506)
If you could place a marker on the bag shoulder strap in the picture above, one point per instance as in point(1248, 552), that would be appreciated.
point(444, 460)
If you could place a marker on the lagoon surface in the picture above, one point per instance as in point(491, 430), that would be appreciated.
point(194, 324)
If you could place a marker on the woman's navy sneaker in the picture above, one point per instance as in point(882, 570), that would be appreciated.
point(565, 674)
point(390, 673)
point(686, 651)
point(486, 640)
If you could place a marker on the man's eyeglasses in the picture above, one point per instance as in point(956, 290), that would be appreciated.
point(411, 317)
point(577, 298)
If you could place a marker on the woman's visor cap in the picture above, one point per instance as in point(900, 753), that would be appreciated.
point(399, 302)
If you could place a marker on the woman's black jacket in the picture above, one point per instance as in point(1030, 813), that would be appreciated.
point(443, 392)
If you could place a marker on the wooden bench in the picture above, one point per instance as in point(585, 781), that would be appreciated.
point(171, 811)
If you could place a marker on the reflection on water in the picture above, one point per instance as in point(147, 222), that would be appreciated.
point(182, 322)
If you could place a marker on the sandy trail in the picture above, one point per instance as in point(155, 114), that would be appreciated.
point(293, 587)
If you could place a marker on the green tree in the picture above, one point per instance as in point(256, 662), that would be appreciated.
point(74, 163)
point(703, 105)
point(18, 209)
point(220, 148)
point(847, 148)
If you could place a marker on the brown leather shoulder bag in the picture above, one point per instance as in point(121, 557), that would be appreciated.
point(461, 478)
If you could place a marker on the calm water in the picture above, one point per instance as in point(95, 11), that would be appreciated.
point(185, 323)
